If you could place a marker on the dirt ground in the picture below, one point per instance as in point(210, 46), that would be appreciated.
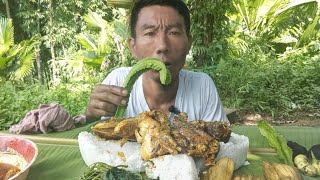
point(298, 118)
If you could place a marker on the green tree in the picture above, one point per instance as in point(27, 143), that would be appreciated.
point(58, 22)
point(210, 28)
point(6, 2)
point(273, 24)
point(16, 60)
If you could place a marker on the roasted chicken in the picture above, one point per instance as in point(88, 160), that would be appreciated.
point(218, 130)
point(158, 137)
point(200, 144)
point(154, 135)
point(117, 129)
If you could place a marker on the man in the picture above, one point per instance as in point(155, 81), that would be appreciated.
point(159, 29)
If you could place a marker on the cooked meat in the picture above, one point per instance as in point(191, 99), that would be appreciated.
point(126, 128)
point(153, 131)
point(217, 130)
point(105, 129)
point(154, 135)
point(116, 129)
point(181, 141)
point(201, 144)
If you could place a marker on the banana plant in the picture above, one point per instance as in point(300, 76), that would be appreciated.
point(275, 21)
point(311, 29)
point(95, 48)
point(16, 60)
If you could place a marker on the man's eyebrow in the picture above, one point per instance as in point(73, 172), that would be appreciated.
point(170, 26)
point(147, 26)
point(175, 25)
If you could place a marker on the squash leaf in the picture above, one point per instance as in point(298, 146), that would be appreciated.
point(276, 141)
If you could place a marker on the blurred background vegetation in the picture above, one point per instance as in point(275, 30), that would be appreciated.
point(262, 54)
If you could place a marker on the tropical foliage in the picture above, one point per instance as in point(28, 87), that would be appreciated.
point(16, 60)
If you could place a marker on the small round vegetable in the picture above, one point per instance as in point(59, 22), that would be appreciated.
point(303, 164)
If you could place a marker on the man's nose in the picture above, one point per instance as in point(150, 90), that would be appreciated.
point(162, 44)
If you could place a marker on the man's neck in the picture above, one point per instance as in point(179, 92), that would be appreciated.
point(158, 96)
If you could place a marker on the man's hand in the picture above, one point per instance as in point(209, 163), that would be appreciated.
point(104, 100)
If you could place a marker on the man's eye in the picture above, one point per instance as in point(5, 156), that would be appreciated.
point(174, 33)
point(149, 34)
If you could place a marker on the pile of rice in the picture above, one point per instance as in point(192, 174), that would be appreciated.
point(181, 166)
point(93, 149)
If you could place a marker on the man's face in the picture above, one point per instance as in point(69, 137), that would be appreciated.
point(161, 33)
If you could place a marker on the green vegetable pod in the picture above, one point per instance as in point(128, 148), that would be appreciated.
point(136, 71)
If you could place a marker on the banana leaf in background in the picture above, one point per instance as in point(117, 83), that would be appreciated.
point(307, 136)
point(59, 156)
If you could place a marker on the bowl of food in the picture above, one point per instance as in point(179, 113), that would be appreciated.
point(16, 157)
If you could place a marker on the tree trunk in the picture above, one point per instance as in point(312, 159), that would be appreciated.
point(53, 57)
point(38, 49)
point(38, 63)
point(7, 9)
point(201, 58)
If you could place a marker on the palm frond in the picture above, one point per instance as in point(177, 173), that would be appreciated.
point(95, 21)
point(121, 29)
point(90, 58)
point(283, 17)
point(294, 4)
point(256, 11)
point(24, 56)
point(25, 67)
point(3, 62)
point(311, 30)
point(7, 60)
point(277, 5)
point(6, 35)
point(87, 42)
point(243, 10)
point(237, 45)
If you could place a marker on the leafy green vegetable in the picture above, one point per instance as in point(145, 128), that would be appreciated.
point(95, 171)
point(276, 141)
point(116, 173)
point(103, 171)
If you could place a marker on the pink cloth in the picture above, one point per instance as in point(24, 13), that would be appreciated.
point(45, 119)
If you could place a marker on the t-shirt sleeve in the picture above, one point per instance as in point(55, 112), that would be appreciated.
point(213, 108)
point(116, 77)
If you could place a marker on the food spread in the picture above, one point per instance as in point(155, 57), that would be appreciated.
point(157, 137)
point(150, 143)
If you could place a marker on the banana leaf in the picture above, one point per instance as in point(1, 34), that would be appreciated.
point(306, 136)
point(59, 156)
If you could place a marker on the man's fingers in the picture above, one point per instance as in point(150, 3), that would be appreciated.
point(100, 112)
point(104, 101)
point(112, 89)
point(108, 98)
point(104, 106)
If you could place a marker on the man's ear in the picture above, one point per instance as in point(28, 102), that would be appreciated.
point(132, 46)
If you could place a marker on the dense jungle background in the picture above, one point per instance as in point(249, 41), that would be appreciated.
point(264, 55)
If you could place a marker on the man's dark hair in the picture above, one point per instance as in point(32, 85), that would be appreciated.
point(178, 5)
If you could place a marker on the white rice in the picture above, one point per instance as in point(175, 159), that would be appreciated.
point(236, 148)
point(94, 149)
point(177, 167)
point(180, 166)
